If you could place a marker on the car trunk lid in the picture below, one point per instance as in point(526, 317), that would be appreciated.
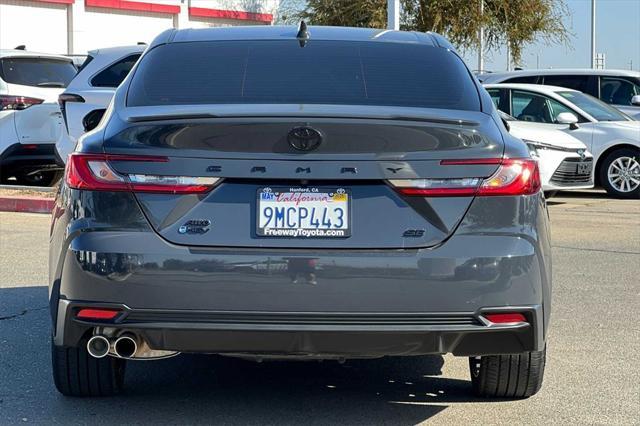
point(356, 156)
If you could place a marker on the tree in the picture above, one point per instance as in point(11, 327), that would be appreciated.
point(506, 22)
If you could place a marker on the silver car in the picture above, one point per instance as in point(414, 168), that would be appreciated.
point(620, 88)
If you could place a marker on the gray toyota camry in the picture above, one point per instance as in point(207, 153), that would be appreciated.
point(300, 193)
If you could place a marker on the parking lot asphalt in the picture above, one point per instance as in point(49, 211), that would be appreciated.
point(592, 374)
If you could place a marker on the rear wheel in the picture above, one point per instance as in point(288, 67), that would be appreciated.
point(76, 373)
point(620, 173)
point(507, 376)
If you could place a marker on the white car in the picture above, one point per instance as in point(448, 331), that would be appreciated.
point(611, 136)
point(90, 92)
point(30, 119)
point(620, 88)
point(563, 160)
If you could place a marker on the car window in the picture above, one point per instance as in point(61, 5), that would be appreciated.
point(115, 73)
point(532, 79)
point(39, 72)
point(527, 106)
point(86, 62)
point(558, 108)
point(594, 107)
point(616, 90)
point(321, 72)
point(495, 97)
point(575, 82)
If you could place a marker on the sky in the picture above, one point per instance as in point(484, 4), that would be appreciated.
point(617, 36)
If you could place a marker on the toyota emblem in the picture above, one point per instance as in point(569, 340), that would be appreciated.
point(304, 138)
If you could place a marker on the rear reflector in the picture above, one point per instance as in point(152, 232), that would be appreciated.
point(513, 177)
point(94, 173)
point(506, 318)
point(97, 314)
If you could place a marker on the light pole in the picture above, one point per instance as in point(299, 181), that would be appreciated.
point(593, 33)
point(393, 14)
point(481, 40)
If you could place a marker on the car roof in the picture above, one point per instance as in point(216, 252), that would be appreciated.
point(13, 53)
point(276, 32)
point(118, 50)
point(102, 58)
point(558, 71)
point(540, 88)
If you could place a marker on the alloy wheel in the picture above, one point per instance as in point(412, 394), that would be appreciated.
point(624, 174)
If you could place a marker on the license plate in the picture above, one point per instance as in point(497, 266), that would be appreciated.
point(584, 168)
point(303, 212)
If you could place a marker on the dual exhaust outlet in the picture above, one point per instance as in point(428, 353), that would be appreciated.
point(124, 346)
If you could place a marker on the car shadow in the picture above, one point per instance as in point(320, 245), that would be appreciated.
point(205, 389)
point(599, 194)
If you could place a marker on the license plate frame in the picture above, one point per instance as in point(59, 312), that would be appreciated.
point(584, 168)
point(304, 233)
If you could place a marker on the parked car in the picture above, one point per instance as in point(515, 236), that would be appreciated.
point(89, 93)
point(619, 88)
point(78, 60)
point(30, 120)
point(611, 136)
point(369, 162)
point(564, 161)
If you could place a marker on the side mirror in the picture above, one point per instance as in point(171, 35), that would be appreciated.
point(568, 118)
point(91, 120)
point(635, 100)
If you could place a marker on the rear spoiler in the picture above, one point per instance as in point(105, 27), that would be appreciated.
point(300, 111)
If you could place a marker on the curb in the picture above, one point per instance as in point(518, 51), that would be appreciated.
point(26, 204)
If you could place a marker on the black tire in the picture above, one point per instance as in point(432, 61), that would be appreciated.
point(507, 376)
point(633, 153)
point(76, 373)
point(49, 178)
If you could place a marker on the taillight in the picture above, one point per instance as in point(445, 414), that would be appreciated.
point(513, 177)
point(17, 102)
point(93, 172)
point(62, 102)
point(69, 97)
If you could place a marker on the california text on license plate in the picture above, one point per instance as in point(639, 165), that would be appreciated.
point(303, 212)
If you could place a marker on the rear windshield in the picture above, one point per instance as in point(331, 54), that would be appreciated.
point(40, 72)
point(321, 72)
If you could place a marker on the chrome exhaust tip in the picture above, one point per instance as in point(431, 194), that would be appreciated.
point(98, 346)
point(125, 346)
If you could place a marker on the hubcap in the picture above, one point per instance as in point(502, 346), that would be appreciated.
point(624, 174)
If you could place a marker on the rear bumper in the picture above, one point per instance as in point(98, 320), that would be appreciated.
point(314, 302)
point(30, 157)
point(313, 335)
